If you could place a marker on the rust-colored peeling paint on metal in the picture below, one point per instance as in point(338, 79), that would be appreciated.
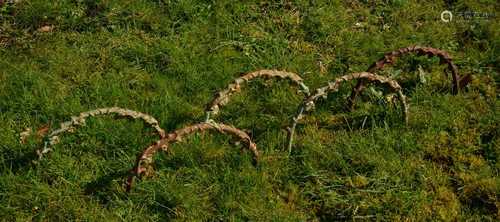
point(145, 159)
point(71, 125)
point(333, 86)
point(390, 57)
point(222, 97)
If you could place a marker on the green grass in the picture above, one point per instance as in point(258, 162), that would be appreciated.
point(168, 58)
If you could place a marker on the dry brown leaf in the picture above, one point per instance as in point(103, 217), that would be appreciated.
point(46, 28)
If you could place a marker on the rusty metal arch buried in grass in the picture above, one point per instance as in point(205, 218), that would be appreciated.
point(145, 159)
point(309, 103)
point(222, 97)
point(69, 126)
point(457, 82)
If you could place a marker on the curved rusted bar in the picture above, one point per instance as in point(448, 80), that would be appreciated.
point(390, 58)
point(69, 126)
point(145, 159)
point(222, 97)
point(309, 103)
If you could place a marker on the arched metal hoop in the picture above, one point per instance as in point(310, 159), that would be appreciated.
point(145, 159)
point(322, 92)
point(222, 97)
point(69, 126)
point(390, 58)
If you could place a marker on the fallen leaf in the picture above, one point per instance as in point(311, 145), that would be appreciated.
point(46, 28)
point(42, 131)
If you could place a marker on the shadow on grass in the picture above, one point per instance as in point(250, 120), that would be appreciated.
point(358, 122)
point(20, 162)
point(101, 188)
point(105, 192)
point(410, 86)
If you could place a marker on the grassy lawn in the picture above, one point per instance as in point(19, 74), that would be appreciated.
point(168, 58)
